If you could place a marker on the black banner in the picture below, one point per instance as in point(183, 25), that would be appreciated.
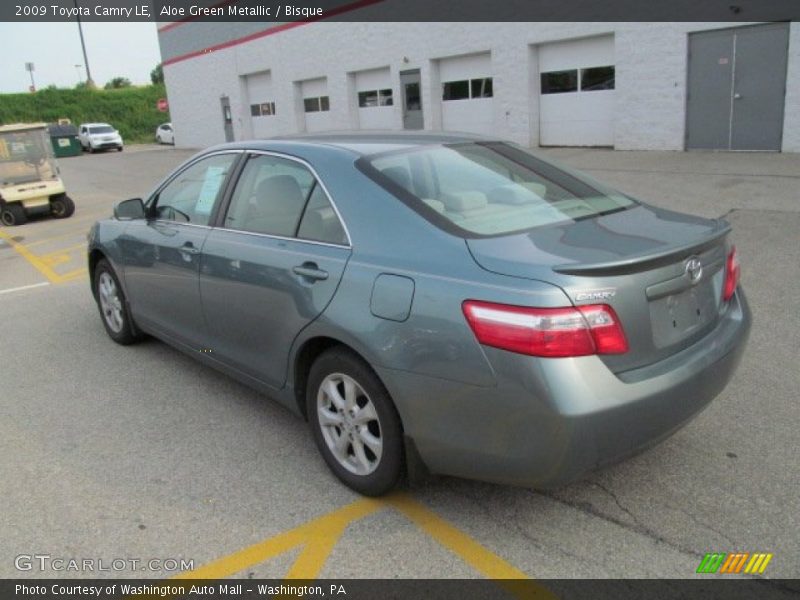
point(279, 11)
point(405, 589)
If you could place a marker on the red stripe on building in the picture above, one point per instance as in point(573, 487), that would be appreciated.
point(264, 33)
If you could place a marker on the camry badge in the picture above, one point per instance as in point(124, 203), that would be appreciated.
point(590, 295)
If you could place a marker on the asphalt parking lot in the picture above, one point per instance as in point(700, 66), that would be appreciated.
point(142, 453)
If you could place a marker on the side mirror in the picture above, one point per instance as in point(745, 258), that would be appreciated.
point(130, 209)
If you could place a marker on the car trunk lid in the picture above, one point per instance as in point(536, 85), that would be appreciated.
point(662, 272)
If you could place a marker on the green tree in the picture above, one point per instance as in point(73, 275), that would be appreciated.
point(117, 83)
point(157, 74)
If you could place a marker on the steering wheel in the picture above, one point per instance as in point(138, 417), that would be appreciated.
point(170, 212)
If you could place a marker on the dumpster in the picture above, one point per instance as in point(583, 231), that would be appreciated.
point(64, 138)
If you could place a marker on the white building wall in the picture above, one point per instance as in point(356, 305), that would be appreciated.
point(650, 97)
point(791, 121)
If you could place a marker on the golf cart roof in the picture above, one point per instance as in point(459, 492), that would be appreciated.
point(21, 127)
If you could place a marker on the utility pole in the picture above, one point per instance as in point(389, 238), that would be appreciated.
point(89, 82)
point(29, 68)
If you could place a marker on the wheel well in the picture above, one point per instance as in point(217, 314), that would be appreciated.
point(94, 258)
point(306, 356)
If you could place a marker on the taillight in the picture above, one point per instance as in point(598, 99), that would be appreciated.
point(549, 332)
point(732, 273)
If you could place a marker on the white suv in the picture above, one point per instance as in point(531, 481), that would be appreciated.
point(99, 136)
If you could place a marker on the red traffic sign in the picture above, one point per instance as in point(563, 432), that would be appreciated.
point(162, 105)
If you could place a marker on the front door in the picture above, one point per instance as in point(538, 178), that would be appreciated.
point(162, 253)
point(271, 267)
point(227, 118)
point(411, 90)
point(737, 85)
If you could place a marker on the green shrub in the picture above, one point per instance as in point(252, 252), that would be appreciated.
point(131, 110)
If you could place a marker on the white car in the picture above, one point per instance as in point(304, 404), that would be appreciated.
point(165, 134)
point(99, 136)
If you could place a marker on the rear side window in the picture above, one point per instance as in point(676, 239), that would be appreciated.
point(491, 189)
point(278, 196)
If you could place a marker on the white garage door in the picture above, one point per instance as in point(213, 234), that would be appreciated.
point(375, 99)
point(467, 93)
point(316, 104)
point(261, 104)
point(576, 105)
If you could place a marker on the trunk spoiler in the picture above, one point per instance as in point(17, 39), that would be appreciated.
point(646, 261)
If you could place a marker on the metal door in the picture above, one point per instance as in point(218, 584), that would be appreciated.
point(736, 88)
point(411, 90)
point(227, 118)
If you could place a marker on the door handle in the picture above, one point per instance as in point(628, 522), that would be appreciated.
point(310, 271)
point(189, 248)
point(737, 96)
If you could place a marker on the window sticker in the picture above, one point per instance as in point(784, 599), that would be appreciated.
point(208, 193)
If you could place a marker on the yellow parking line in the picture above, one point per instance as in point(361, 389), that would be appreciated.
point(315, 533)
point(43, 264)
point(319, 536)
point(481, 559)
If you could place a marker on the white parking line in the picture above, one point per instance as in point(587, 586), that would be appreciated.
point(24, 287)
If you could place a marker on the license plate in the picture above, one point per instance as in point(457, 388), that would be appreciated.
point(678, 316)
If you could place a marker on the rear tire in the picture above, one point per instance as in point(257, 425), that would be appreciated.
point(354, 423)
point(13, 214)
point(113, 305)
point(62, 207)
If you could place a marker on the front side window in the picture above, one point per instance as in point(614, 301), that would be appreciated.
point(278, 196)
point(492, 189)
point(190, 197)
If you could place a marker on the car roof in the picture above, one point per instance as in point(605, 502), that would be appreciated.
point(95, 125)
point(362, 142)
point(21, 127)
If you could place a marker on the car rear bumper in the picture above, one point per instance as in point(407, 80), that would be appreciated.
point(549, 421)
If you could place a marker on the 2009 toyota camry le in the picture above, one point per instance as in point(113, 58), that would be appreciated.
point(431, 302)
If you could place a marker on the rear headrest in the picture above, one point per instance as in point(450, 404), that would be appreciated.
point(436, 205)
point(462, 201)
point(513, 194)
point(399, 175)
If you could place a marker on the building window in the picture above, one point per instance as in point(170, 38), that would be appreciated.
point(456, 90)
point(385, 97)
point(467, 88)
point(375, 98)
point(318, 104)
point(597, 78)
point(265, 109)
point(481, 88)
point(559, 82)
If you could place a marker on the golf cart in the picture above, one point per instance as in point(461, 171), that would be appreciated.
point(29, 177)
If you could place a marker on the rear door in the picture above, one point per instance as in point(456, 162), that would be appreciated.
point(272, 265)
point(162, 253)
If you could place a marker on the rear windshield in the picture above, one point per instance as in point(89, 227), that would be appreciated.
point(101, 129)
point(489, 189)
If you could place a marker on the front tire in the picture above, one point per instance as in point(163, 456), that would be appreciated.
point(354, 423)
point(13, 214)
point(62, 207)
point(113, 305)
